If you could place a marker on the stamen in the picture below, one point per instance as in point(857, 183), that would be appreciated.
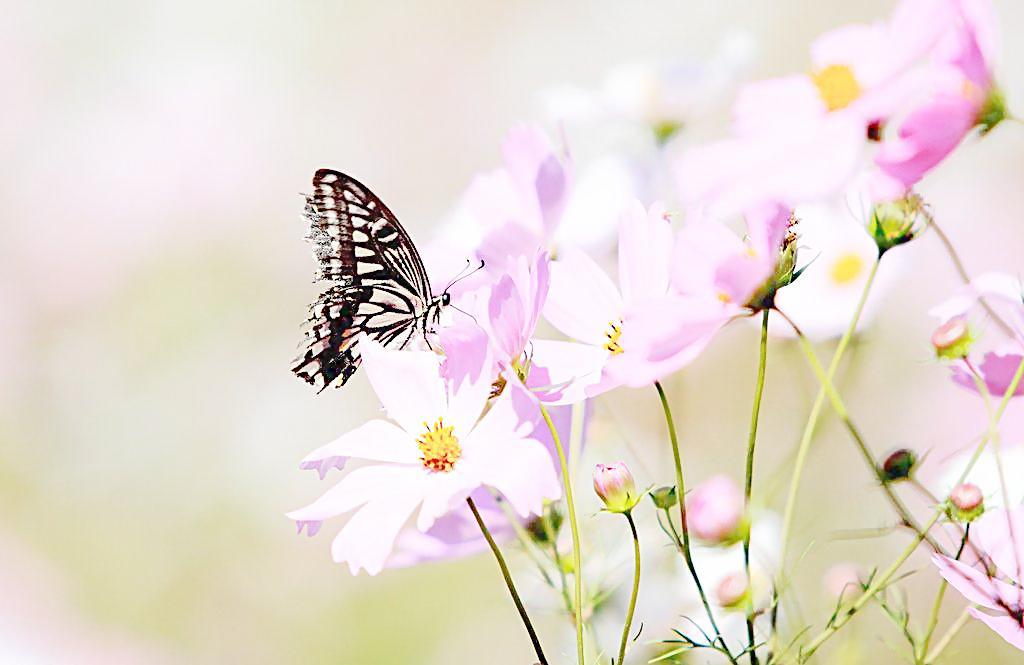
point(837, 86)
point(613, 334)
point(439, 447)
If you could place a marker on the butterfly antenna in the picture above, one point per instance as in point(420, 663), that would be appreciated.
point(465, 275)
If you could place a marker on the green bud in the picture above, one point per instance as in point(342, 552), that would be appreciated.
point(993, 111)
point(664, 497)
point(897, 222)
point(952, 340)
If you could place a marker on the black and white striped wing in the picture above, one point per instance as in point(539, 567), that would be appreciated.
point(381, 287)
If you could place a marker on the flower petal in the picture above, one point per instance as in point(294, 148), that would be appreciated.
point(1000, 534)
point(582, 301)
point(1006, 626)
point(376, 440)
point(501, 456)
point(972, 584)
point(357, 487)
point(367, 539)
point(564, 372)
point(408, 383)
point(645, 249)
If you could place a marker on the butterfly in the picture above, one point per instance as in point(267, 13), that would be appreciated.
point(379, 285)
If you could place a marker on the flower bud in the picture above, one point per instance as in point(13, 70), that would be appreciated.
point(614, 484)
point(966, 502)
point(664, 497)
point(952, 340)
point(543, 530)
point(733, 591)
point(896, 222)
point(715, 512)
point(784, 274)
point(898, 465)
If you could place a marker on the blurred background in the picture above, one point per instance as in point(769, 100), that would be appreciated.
point(154, 276)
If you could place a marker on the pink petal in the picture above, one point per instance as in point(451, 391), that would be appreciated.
point(408, 383)
point(520, 468)
point(367, 539)
point(1006, 626)
point(582, 301)
point(1000, 534)
point(786, 104)
point(376, 440)
point(565, 372)
point(926, 137)
point(445, 490)
point(645, 249)
point(972, 584)
point(357, 487)
point(997, 369)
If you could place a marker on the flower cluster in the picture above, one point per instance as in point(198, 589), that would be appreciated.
point(481, 406)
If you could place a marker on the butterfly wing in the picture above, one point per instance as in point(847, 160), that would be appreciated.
point(381, 287)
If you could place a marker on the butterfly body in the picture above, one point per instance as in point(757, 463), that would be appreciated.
point(378, 283)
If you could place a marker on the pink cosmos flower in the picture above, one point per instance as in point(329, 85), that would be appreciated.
point(1000, 535)
point(585, 304)
point(714, 275)
point(963, 87)
point(997, 366)
point(437, 450)
point(715, 511)
point(801, 138)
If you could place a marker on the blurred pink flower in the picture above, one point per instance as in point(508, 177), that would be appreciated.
point(803, 137)
point(436, 452)
point(519, 205)
point(585, 304)
point(716, 512)
point(963, 88)
point(1005, 294)
point(714, 275)
point(1000, 535)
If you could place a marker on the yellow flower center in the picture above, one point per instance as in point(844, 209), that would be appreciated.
point(837, 86)
point(439, 448)
point(613, 334)
point(847, 268)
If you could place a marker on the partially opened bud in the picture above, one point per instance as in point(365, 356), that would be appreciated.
point(733, 591)
point(952, 340)
point(896, 222)
point(967, 502)
point(898, 465)
point(715, 512)
point(614, 484)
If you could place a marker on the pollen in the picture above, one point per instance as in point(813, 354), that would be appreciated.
point(846, 268)
point(439, 447)
point(613, 334)
point(837, 86)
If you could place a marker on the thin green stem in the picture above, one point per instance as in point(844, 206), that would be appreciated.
point(508, 582)
point(571, 509)
point(812, 419)
point(549, 532)
point(840, 408)
point(748, 485)
point(684, 530)
point(941, 645)
point(933, 617)
point(636, 590)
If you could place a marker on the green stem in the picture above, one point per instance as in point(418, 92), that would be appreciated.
point(508, 582)
point(840, 408)
point(812, 419)
point(876, 585)
point(749, 478)
point(948, 637)
point(636, 590)
point(549, 531)
point(684, 530)
point(571, 509)
point(920, 657)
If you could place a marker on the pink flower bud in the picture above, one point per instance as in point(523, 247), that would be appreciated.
point(967, 502)
point(733, 590)
point(842, 581)
point(715, 512)
point(952, 339)
point(614, 484)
